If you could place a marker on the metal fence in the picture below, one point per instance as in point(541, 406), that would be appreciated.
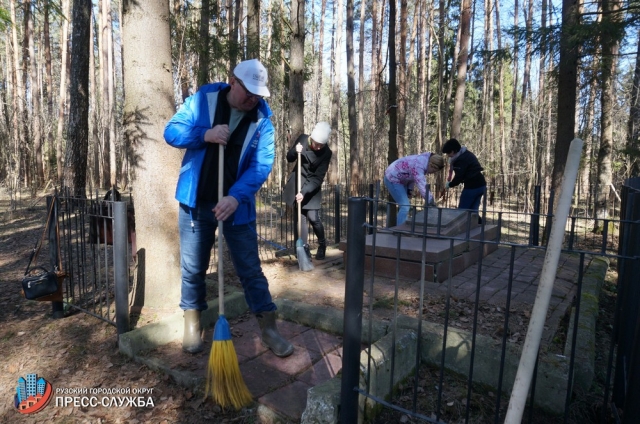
point(95, 253)
point(517, 209)
point(574, 381)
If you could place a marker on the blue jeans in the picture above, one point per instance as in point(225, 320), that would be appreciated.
point(399, 194)
point(196, 243)
point(470, 198)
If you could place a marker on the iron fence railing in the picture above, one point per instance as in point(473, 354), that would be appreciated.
point(524, 219)
point(95, 255)
point(566, 386)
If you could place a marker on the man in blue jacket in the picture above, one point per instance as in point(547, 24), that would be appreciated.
point(236, 116)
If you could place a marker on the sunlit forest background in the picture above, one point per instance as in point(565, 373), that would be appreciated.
point(392, 78)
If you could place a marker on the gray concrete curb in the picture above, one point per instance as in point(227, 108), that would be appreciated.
point(151, 336)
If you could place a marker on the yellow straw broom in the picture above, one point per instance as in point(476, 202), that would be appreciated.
point(224, 380)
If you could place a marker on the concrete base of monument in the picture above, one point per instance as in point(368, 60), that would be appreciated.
point(451, 241)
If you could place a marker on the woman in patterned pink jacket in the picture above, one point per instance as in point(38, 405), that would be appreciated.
point(408, 172)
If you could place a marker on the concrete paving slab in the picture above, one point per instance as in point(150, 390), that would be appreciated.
point(326, 368)
point(300, 360)
point(261, 379)
point(318, 341)
point(279, 385)
point(289, 400)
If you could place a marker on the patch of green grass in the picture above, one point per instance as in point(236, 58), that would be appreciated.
point(388, 302)
point(7, 336)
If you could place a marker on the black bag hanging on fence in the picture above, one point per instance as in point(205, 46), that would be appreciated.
point(37, 281)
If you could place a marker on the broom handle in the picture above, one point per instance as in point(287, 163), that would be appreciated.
point(220, 236)
point(299, 203)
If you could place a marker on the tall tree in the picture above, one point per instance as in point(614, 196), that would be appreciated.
point(392, 105)
point(336, 64)
point(611, 37)
point(296, 71)
point(203, 44)
point(465, 35)
point(320, 55)
point(401, 74)
point(253, 29)
point(361, 88)
point(36, 122)
point(109, 113)
point(62, 94)
point(354, 162)
point(516, 68)
point(633, 132)
point(48, 86)
point(501, 112)
point(440, 118)
point(148, 106)
point(567, 90)
point(75, 167)
point(423, 30)
point(18, 118)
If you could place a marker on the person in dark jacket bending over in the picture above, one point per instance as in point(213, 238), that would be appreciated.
point(467, 171)
point(315, 158)
point(236, 116)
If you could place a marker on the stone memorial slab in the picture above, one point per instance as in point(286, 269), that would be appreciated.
point(444, 222)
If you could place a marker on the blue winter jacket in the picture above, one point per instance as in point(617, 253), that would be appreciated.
point(186, 130)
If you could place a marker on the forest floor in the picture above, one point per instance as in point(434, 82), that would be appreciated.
point(81, 351)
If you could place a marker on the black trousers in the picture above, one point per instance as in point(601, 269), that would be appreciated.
point(308, 216)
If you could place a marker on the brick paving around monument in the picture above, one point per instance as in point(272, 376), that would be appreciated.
point(281, 384)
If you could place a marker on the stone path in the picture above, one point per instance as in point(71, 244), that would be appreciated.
point(280, 385)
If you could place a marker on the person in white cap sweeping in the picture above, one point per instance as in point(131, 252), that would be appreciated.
point(315, 156)
point(237, 116)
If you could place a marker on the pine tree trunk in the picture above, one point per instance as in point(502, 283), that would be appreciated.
point(62, 94)
point(567, 91)
point(354, 151)
point(18, 134)
point(296, 71)
point(148, 104)
point(253, 29)
point(75, 167)
point(465, 34)
point(401, 74)
point(610, 49)
point(633, 133)
point(38, 171)
point(334, 170)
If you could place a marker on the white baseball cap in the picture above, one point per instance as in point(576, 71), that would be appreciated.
point(253, 76)
point(321, 132)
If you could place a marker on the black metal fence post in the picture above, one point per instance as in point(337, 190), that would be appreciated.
point(120, 268)
point(57, 308)
point(625, 388)
point(535, 218)
point(549, 217)
point(370, 231)
point(354, 286)
point(336, 213)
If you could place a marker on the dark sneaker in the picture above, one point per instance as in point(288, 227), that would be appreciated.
point(307, 250)
point(322, 249)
